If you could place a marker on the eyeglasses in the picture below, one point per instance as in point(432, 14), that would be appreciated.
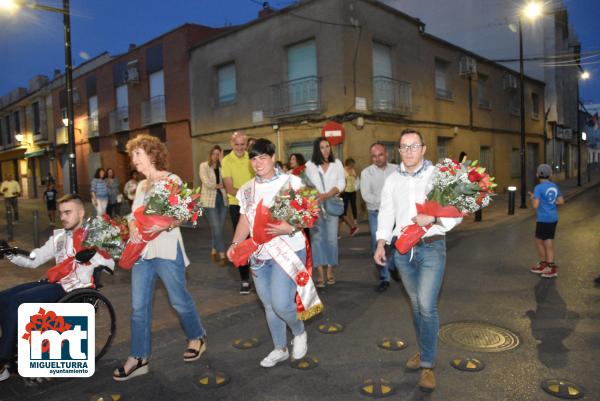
point(414, 147)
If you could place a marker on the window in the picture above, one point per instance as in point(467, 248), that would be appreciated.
point(482, 88)
point(486, 158)
point(35, 109)
point(442, 90)
point(443, 147)
point(93, 114)
point(226, 83)
point(122, 97)
point(535, 106)
point(515, 104)
point(9, 139)
point(302, 60)
point(392, 152)
point(2, 134)
point(157, 84)
point(382, 60)
point(17, 122)
point(515, 163)
point(303, 85)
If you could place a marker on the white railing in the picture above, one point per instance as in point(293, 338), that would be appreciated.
point(392, 96)
point(153, 111)
point(118, 120)
point(298, 96)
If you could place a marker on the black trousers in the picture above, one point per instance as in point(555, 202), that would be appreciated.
point(234, 213)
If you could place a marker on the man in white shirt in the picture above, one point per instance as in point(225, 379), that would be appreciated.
point(372, 179)
point(58, 247)
point(11, 190)
point(422, 268)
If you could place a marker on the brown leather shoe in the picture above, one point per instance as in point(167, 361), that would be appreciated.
point(414, 362)
point(427, 380)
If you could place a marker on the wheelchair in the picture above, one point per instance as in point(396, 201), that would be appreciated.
point(106, 322)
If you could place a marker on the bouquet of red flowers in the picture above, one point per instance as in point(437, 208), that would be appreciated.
point(299, 207)
point(458, 189)
point(169, 202)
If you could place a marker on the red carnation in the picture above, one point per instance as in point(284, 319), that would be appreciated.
point(474, 176)
point(173, 200)
point(302, 278)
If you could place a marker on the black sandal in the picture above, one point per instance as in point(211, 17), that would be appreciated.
point(195, 353)
point(140, 369)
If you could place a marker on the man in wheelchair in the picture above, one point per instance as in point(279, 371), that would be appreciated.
point(74, 270)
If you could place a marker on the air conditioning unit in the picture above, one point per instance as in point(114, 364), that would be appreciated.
point(511, 82)
point(467, 66)
point(133, 77)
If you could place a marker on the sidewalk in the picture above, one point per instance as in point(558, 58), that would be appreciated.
point(497, 211)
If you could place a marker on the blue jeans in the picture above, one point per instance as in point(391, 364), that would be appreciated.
point(11, 299)
point(422, 273)
point(143, 278)
point(276, 291)
point(324, 242)
point(216, 221)
point(384, 271)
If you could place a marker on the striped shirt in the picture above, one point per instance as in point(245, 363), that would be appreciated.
point(99, 187)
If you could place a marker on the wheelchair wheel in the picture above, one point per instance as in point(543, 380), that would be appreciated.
point(106, 323)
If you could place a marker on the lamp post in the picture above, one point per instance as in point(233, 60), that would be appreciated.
point(65, 11)
point(583, 76)
point(531, 10)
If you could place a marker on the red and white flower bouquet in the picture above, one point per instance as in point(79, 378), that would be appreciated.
point(458, 189)
point(168, 203)
point(299, 207)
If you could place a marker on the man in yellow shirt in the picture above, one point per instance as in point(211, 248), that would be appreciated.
point(11, 190)
point(236, 171)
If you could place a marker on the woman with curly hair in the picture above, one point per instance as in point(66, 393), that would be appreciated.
point(164, 257)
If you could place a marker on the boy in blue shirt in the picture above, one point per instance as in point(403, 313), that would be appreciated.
point(545, 197)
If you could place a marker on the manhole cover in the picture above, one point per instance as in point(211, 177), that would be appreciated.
point(392, 344)
point(478, 336)
point(308, 362)
point(563, 389)
point(376, 388)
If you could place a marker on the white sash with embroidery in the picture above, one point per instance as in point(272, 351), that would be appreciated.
point(289, 262)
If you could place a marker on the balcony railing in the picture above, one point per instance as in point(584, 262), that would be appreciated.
point(91, 127)
point(298, 96)
point(392, 96)
point(153, 111)
point(445, 94)
point(118, 120)
point(485, 104)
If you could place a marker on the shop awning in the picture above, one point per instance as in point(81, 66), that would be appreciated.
point(35, 153)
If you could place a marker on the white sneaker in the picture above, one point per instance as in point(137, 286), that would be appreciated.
point(299, 346)
point(4, 374)
point(276, 356)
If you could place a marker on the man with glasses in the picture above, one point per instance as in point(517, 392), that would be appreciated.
point(422, 268)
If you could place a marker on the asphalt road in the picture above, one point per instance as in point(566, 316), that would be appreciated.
point(487, 280)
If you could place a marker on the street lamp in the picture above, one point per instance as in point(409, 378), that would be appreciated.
point(582, 77)
point(13, 5)
point(531, 11)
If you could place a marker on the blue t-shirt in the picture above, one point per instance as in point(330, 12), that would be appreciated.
point(547, 192)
